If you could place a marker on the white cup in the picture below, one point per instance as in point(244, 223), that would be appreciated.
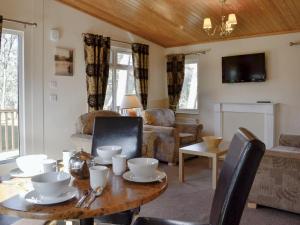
point(49, 165)
point(98, 176)
point(66, 158)
point(119, 164)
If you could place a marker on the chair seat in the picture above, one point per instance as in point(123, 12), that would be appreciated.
point(157, 221)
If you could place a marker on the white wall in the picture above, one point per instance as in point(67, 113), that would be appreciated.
point(282, 85)
point(49, 125)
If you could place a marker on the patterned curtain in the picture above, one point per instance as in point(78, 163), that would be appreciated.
point(140, 54)
point(1, 21)
point(97, 56)
point(175, 71)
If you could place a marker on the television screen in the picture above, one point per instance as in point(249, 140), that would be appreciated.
point(244, 68)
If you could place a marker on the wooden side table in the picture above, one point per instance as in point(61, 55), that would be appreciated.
point(200, 149)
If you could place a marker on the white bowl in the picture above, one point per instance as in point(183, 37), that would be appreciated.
point(31, 164)
point(107, 152)
point(143, 167)
point(51, 184)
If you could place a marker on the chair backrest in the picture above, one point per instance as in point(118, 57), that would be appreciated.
point(159, 117)
point(236, 178)
point(123, 131)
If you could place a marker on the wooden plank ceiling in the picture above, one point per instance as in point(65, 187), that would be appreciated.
point(179, 22)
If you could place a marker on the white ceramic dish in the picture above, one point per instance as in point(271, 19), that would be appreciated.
point(107, 152)
point(35, 198)
point(19, 173)
point(51, 184)
point(100, 161)
point(158, 176)
point(143, 167)
point(31, 164)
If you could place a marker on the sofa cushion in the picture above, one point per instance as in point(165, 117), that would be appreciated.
point(159, 117)
point(87, 120)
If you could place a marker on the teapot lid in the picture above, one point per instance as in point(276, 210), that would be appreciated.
point(82, 155)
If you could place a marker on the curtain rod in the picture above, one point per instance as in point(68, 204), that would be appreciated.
point(21, 22)
point(198, 52)
point(124, 42)
point(295, 43)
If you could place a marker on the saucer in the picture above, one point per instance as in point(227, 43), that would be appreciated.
point(19, 173)
point(99, 160)
point(34, 198)
point(159, 175)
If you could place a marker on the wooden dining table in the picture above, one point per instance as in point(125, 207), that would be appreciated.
point(119, 195)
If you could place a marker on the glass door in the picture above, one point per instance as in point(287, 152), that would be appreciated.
point(11, 56)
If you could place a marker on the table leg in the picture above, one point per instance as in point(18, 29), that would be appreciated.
point(181, 167)
point(88, 221)
point(214, 171)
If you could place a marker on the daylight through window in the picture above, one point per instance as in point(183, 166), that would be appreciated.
point(10, 61)
point(121, 79)
point(189, 93)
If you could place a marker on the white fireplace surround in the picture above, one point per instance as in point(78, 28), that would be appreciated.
point(268, 109)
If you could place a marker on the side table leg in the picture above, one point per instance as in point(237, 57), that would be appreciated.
point(181, 167)
point(214, 171)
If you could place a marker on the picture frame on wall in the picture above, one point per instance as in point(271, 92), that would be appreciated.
point(64, 65)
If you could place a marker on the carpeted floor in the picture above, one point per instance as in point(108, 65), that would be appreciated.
point(191, 200)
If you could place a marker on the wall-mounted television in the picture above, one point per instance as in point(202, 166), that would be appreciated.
point(244, 68)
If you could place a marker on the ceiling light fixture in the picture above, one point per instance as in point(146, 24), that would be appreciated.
point(225, 28)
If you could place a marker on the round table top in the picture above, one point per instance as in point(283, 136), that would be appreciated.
point(119, 195)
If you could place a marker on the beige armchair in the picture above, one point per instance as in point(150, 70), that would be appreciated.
point(170, 134)
point(82, 138)
point(277, 182)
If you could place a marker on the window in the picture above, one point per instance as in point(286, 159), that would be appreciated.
point(188, 98)
point(121, 79)
point(11, 62)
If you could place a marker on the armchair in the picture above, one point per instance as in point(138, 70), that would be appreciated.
point(170, 134)
point(277, 182)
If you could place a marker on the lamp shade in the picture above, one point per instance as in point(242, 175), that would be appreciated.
point(130, 101)
point(232, 19)
point(207, 23)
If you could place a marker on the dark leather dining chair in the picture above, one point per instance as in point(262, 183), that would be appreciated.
point(126, 132)
point(234, 184)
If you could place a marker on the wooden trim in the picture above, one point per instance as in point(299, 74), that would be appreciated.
point(232, 38)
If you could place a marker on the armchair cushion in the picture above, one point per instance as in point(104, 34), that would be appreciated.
point(289, 140)
point(186, 138)
point(86, 121)
point(159, 117)
point(189, 132)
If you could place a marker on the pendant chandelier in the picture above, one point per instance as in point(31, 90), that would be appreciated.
point(225, 28)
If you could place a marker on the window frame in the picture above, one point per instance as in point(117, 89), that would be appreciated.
point(21, 93)
point(114, 66)
point(191, 60)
